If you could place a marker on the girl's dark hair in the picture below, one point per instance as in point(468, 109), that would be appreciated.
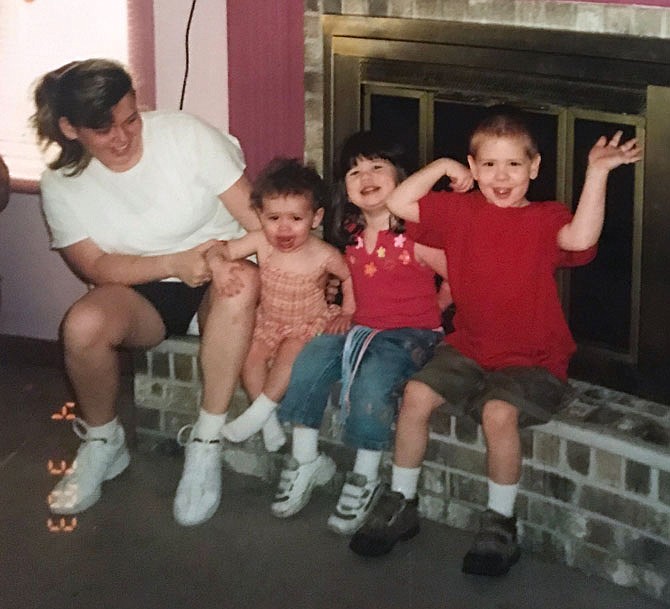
point(343, 220)
point(283, 176)
point(84, 92)
point(504, 121)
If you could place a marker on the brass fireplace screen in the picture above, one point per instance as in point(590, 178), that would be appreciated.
point(427, 82)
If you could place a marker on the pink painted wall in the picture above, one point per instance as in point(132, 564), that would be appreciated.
point(265, 79)
point(207, 84)
point(142, 56)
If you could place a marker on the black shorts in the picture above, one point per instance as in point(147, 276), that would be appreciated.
point(466, 387)
point(175, 302)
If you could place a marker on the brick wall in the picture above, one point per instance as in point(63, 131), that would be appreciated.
point(594, 492)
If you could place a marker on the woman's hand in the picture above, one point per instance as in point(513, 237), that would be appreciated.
point(332, 289)
point(191, 265)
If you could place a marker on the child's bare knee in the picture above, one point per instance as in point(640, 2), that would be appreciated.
point(419, 400)
point(499, 416)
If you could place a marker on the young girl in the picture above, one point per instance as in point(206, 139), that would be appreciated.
point(397, 326)
point(294, 266)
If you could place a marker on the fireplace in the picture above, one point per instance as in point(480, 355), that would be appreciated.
point(427, 81)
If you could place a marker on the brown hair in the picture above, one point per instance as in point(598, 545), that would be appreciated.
point(84, 92)
point(504, 121)
point(283, 176)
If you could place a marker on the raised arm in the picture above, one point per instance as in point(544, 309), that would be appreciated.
point(404, 200)
point(587, 223)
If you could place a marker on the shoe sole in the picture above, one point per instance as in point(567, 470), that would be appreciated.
point(323, 476)
point(385, 549)
point(477, 565)
point(204, 518)
point(349, 527)
point(116, 469)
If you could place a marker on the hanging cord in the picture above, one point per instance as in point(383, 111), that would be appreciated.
point(186, 42)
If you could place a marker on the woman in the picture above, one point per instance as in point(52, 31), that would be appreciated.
point(133, 202)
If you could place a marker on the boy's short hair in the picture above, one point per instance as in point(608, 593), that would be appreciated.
point(503, 121)
point(284, 176)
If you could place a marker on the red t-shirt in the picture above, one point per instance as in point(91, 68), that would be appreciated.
point(502, 263)
point(391, 288)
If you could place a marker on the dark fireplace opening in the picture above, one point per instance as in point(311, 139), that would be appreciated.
point(427, 83)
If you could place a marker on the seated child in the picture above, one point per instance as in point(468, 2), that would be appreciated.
point(505, 365)
point(397, 327)
point(294, 268)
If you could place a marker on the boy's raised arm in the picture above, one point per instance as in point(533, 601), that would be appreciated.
point(586, 225)
point(404, 200)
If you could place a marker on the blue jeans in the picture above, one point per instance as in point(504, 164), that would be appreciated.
point(390, 359)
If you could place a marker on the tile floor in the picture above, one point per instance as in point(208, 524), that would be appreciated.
point(126, 552)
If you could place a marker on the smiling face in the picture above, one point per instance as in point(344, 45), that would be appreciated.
point(369, 182)
point(287, 221)
point(503, 169)
point(117, 146)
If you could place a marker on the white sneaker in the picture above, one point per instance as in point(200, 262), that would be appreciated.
point(357, 499)
point(296, 483)
point(97, 460)
point(199, 491)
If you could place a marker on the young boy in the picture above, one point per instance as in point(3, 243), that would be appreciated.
point(505, 365)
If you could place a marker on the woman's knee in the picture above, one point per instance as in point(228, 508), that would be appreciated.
point(84, 324)
point(102, 316)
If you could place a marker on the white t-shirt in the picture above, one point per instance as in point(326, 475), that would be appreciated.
point(166, 203)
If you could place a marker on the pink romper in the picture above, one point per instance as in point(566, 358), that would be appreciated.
point(292, 306)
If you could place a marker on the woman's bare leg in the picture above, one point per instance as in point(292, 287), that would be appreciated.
point(96, 326)
point(106, 318)
point(226, 327)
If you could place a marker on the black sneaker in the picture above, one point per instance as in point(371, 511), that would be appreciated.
point(393, 519)
point(495, 548)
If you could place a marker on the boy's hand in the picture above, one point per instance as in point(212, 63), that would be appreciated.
point(460, 176)
point(608, 155)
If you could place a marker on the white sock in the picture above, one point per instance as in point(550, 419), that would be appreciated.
point(251, 420)
point(305, 444)
point(502, 498)
point(405, 480)
point(105, 431)
point(367, 463)
point(273, 433)
point(208, 426)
